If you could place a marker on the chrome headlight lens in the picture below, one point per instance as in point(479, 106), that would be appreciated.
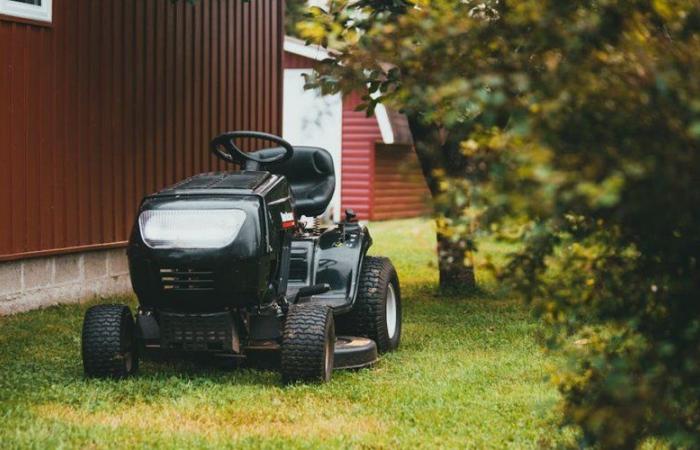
point(206, 228)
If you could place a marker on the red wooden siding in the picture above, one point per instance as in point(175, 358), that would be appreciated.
point(360, 133)
point(294, 61)
point(399, 187)
point(379, 181)
point(118, 98)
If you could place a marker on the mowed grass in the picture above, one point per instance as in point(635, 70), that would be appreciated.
point(469, 374)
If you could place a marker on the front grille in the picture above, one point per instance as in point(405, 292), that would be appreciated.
point(196, 332)
point(190, 280)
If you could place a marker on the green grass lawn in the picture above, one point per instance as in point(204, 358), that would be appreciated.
point(469, 374)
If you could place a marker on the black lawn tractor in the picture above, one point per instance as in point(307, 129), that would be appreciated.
point(222, 265)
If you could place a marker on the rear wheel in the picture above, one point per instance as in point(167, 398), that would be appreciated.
point(377, 310)
point(108, 342)
point(307, 344)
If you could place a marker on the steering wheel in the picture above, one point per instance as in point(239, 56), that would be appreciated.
point(231, 153)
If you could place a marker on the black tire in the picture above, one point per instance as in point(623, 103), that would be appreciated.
point(307, 344)
point(108, 346)
point(368, 316)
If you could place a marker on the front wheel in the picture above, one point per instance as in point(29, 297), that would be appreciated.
point(108, 342)
point(377, 310)
point(308, 344)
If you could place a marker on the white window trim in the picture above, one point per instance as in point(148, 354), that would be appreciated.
point(26, 11)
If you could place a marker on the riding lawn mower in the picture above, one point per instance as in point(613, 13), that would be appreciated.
point(222, 265)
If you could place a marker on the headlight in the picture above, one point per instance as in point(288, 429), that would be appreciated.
point(212, 228)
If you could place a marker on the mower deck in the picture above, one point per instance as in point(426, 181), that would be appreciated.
point(354, 352)
point(351, 352)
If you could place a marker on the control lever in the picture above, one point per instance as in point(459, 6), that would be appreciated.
point(350, 216)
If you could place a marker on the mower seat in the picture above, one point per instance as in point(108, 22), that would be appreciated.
point(310, 174)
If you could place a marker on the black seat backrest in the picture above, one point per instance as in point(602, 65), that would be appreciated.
point(310, 174)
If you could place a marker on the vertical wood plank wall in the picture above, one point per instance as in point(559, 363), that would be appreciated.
point(119, 98)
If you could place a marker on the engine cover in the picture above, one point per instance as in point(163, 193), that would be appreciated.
point(244, 272)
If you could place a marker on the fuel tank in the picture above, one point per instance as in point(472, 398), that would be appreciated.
point(212, 241)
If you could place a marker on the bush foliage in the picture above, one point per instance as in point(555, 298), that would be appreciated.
point(579, 131)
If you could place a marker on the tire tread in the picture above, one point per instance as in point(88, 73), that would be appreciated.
point(304, 342)
point(102, 341)
point(367, 315)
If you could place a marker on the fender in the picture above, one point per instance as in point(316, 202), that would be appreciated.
point(336, 258)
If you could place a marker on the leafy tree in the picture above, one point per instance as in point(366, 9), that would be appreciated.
point(294, 13)
point(399, 56)
point(573, 130)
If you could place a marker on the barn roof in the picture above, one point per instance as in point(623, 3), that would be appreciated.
point(298, 47)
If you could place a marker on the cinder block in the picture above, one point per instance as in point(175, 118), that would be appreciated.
point(67, 269)
point(38, 273)
point(10, 277)
point(95, 265)
point(118, 263)
point(41, 282)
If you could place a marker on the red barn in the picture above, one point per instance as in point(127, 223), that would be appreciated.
point(104, 101)
point(379, 173)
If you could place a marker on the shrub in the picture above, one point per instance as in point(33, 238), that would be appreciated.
point(579, 125)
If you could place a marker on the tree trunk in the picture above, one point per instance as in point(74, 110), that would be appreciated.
point(436, 152)
point(455, 264)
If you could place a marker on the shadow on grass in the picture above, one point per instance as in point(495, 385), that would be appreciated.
point(214, 367)
point(480, 292)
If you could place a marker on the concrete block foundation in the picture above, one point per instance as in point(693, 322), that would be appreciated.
point(40, 282)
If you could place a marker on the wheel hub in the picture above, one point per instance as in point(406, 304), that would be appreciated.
point(391, 312)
